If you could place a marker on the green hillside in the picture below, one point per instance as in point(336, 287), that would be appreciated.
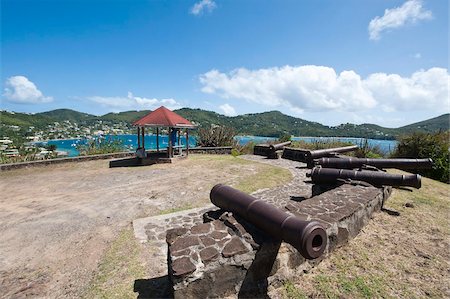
point(24, 119)
point(126, 116)
point(67, 114)
point(430, 125)
point(272, 123)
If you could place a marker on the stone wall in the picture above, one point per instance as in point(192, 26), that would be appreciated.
point(63, 160)
point(196, 150)
point(221, 150)
point(226, 256)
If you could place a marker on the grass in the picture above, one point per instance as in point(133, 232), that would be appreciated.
point(268, 177)
point(118, 269)
point(405, 256)
point(176, 209)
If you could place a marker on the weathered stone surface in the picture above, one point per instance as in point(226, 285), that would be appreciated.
point(219, 225)
point(182, 266)
point(194, 256)
point(181, 252)
point(218, 235)
point(201, 228)
point(208, 254)
point(233, 247)
point(174, 233)
point(184, 242)
point(207, 241)
point(342, 235)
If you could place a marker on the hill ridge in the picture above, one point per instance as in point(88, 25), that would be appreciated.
point(270, 123)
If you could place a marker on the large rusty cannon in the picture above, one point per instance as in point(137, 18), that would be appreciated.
point(308, 156)
point(350, 163)
point(378, 178)
point(308, 237)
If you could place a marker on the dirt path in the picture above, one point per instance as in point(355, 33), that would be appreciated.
point(57, 221)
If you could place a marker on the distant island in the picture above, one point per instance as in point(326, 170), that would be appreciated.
point(66, 123)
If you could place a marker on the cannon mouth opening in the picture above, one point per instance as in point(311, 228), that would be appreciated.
point(317, 242)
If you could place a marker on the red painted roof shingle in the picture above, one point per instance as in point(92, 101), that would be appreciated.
point(163, 117)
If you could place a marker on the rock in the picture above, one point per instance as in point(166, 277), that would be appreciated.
point(235, 246)
point(184, 242)
point(409, 205)
point(219, 225)
point(174, 233)
point(208, 254)
point(182, 266)
point(218, 235)
point(207, 241)
point(203, 228)
point(181, 252)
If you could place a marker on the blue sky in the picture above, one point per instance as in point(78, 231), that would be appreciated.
point(383, 62)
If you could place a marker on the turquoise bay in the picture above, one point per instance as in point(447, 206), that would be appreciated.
point(130, 142)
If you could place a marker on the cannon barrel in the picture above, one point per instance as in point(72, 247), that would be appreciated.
point(308, 237)
point(349, 163)
point(324, 152)
point(307, 156)
point(279, 146)
point(329, 175)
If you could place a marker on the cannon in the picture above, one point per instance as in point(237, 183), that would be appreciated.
point(308, 237)
point(308, 156)
point(321, 175)
point(279, 146)
point(350, 163)
point(270, 151)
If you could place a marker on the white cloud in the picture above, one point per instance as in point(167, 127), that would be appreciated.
point(203, 5)
point(428, 90)
point(133, 102)
point(318, 88)
point(228, 110)
point(417, 56)
point(409, 13)
point(18, 89)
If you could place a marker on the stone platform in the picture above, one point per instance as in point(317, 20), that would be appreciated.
point(213, 253)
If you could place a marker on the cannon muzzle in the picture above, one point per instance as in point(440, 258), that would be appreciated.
point(279, 146)
point(308, 237)
point(308, 156)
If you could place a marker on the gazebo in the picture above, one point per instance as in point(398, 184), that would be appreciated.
point(163, 118)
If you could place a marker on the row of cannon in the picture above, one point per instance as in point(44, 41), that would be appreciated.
point(329, 166)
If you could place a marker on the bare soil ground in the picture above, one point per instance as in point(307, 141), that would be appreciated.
point(59, 223)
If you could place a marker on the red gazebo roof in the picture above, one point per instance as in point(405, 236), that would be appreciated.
point(163, 117)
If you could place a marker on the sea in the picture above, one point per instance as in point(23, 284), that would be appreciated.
point(130, 142)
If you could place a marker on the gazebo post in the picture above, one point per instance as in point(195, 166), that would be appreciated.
point(157, 139)
point(139, 137)
point(169, 151)
point(187, 142)
point(143, 138)
point(179, 141)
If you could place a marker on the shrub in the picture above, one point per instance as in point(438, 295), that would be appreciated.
point(284, 138)
point(246, 149)
point(318, 144)
point(427, 145)
point(100, 146)
point(216, 136)
point(365, 150)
